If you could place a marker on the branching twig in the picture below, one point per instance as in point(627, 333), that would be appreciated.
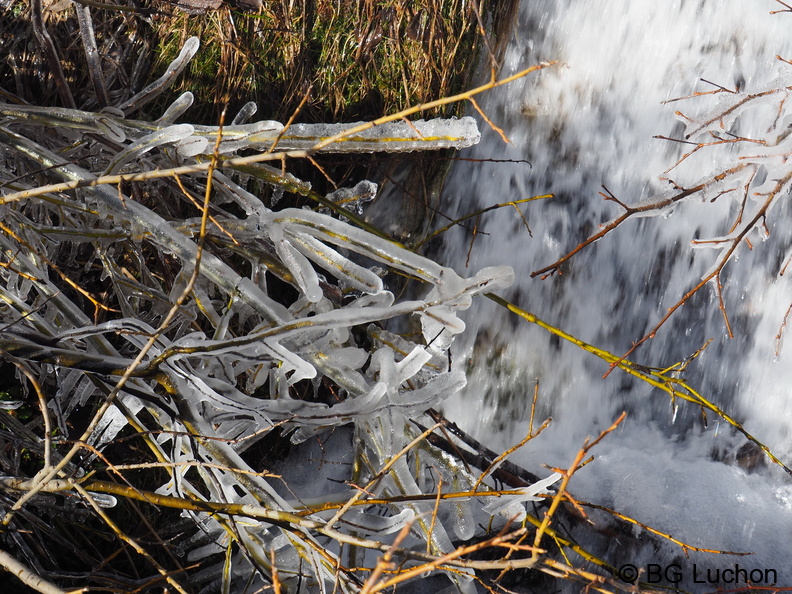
point(630, 211)
point(673, 386)
point(567, 475)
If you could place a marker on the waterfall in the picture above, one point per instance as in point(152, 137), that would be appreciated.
point(575, 128)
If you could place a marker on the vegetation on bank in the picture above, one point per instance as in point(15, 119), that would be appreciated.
point(335, 61)
point(347, 60)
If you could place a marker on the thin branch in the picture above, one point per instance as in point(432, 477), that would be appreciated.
point(261, 157)
point(684, 546)
point(128, 539)
point(673, 386)
point(630, 211)
point(781, 330)
point(27, 576)
point(567, 475)
point(483, 115)
point(512, 203)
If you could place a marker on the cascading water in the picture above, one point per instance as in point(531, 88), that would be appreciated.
point(590, 122)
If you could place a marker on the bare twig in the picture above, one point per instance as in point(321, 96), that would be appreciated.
point(567, 475)
point(26, 576)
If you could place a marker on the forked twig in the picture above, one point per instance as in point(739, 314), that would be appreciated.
point(630, 211)
point(566, 477)
point(673, 386)
point(476, 213)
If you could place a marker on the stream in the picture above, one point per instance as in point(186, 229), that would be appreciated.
point(585, 126)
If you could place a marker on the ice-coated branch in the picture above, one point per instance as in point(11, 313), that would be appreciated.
point(109, 274)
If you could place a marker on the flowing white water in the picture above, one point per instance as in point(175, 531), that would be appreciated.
point(589, 122)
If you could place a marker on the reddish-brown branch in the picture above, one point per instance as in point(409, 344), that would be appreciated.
point(718, 89)
point(722, 305)
point(781, 330)
point(734, 107)
point(782, 272)
point(700, 145)
point(630, 211)
point(725, 256)
point(743, 202)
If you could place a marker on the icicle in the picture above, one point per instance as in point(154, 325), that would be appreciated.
point(346, 271)
point(171, 134)
point(392, 137)
point(191, 146)
point(301, 269)
point(176, 109)
point(110, 129)
point(464, 524)
point(248, 110)
point(333, 231)
point(244, 136)
point(103, 500)
point(509, 505)
point(112, 422)
point(153, 90)
point(375, 524)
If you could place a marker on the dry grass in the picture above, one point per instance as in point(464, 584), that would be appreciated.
point(356, 60)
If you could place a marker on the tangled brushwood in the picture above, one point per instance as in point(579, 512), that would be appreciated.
point(218, 379)
point(159, 364)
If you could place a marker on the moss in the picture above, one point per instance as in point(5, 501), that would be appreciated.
point(359, 60)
